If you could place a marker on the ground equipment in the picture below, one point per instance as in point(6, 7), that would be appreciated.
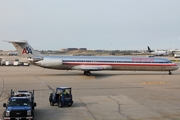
point(62, 96)
point(20, 106)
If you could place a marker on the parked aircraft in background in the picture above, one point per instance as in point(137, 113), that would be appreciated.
point(157, 52)
point(175, 51)
point(12, 53)
point(94, 63)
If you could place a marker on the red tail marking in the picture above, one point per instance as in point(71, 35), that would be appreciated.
point(24, 51)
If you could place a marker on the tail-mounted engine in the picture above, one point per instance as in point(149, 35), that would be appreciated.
point(50, 63)
point(35, 59)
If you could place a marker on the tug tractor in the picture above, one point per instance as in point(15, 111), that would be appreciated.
point(62, 97)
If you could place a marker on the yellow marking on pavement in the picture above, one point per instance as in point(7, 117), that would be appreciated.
point(175, 60)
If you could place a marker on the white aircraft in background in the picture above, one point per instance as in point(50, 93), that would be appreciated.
point(157, 52)
point(94, 63)
point(175, 51)
point(12, 53)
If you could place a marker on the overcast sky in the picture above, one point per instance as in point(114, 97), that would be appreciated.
point(94, 24)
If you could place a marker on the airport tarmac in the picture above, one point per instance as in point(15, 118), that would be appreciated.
point(106, 95)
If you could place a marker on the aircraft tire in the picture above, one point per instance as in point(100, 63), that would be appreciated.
point(85, 72)
point(170, 73)
point(88, 73)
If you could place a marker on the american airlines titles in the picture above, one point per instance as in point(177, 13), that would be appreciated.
point(143, 59)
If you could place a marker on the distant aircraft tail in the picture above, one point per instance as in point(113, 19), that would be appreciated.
point(149, 50)
point(24, 48)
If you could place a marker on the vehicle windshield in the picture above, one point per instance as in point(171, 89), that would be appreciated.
point(19, 102)
point(59, 91)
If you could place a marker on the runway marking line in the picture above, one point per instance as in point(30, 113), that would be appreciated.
point(153, 83)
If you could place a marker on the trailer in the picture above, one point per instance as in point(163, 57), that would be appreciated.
point(16, 62)
point(25, 64)
point(2, 62)
point(8, 63)
point(176, 55)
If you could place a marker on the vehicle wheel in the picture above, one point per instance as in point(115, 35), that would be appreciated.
point(70, 104)
point(50, 97)
point(33, 116)
point(51, 103)
point(60, 104)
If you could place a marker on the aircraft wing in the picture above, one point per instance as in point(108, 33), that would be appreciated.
point(92, 67)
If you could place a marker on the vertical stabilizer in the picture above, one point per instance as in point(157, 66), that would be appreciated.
point(149, 49)
point(24, 48)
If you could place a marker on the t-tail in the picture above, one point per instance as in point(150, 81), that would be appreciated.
point(24, 48)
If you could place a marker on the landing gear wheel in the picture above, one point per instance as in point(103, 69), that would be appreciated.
point(51, 103)
point(60, 104)
point(85, 72)
point(170, 73)
point(88, 73)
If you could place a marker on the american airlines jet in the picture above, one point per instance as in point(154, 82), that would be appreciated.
point(94, 63)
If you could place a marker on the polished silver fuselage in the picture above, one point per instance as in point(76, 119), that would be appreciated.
point(95, 63)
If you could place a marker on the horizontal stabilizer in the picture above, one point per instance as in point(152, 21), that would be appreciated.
point(17, 41)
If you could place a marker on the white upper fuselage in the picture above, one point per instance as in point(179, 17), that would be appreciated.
point(159, 53)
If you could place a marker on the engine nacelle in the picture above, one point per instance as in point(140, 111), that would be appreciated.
point(35, 59)
point(50, 63)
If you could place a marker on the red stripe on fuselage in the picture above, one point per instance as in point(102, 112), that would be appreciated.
point(121, 64)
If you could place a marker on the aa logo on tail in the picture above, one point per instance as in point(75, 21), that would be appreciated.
point(27, 50)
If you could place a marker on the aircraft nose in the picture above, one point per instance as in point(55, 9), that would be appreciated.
point(176, 67)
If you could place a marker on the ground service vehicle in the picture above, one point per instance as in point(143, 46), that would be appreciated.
point(20, 106)
point(62, 96)
point(24, 93)
point(16, 62)
point(177, 55)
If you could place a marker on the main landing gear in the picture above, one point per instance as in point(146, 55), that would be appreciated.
point(170, 73)
point(88, 73)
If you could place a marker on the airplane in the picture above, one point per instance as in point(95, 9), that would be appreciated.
point(157, 53)
point(12, 53)
point(94, 63)
point(175, 51)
